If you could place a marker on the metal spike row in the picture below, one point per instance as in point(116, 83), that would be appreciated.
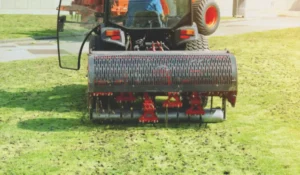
point(125, 97)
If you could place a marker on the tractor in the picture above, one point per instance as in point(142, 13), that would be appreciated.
point(149, 66)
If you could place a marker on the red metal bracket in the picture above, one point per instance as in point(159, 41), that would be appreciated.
point(232, 98)
point(156, 46)
point(125, 97)
point(196, 105)
point(173, 104)
point(149, 115)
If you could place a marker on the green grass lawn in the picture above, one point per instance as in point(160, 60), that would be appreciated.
point(32, 26)
point(24, 26)
point(44, 126)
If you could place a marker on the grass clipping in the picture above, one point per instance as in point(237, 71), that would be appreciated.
point(44, 126)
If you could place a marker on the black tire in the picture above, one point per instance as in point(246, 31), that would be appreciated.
point(201, 44)
point(96, 43)
point(200, 8)
point(92, 106)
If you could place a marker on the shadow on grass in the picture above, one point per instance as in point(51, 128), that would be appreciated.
point(60, 99)
point(66, 99)
point(37, 34)
point(50, 124)
point(77, 124)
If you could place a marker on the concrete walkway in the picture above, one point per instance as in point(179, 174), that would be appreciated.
point(31, 49)
point(256, 25)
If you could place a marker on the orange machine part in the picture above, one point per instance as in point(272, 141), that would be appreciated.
point(165, 7)
point(88, 2)
point(120, 7)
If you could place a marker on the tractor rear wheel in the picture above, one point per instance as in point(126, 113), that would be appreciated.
point(206, 15)
point(91, 106)
point(96, 43)
point(201, 44)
